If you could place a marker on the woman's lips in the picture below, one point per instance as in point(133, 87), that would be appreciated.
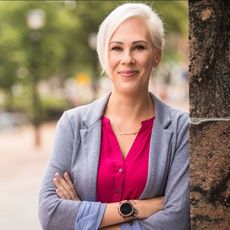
point(128, 73)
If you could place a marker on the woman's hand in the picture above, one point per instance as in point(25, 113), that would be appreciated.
point(147, 208)
point(65, 188)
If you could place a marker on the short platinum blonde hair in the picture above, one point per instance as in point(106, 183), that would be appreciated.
point(119, 15)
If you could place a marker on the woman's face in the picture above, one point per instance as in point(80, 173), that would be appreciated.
point(131, 57)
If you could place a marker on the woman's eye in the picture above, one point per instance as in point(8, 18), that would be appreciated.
point(116, 48)
point(139, 47)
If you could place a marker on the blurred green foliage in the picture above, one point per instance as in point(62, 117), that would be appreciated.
point(62, 47)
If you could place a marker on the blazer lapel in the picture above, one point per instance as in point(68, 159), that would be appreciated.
point(90, 135)
point(159, 151)
point(158, 162)
point(91, 149)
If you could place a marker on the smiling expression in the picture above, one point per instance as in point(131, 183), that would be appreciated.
point(131, 56)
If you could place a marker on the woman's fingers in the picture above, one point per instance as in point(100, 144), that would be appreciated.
point(72, 189)
point(62, 181)
point(62, 192)
point(65, 187)
point(61, 187)
point(68, 180)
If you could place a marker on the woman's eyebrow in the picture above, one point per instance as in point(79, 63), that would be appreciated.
point(117, 42)
point(140, 41)
point(134, 42)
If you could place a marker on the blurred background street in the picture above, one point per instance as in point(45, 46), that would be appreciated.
point(22, 166)
point(48, 64)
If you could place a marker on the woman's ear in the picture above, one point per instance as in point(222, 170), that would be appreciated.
point(157, 57)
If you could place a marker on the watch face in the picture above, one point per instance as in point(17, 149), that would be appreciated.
point(126, 208)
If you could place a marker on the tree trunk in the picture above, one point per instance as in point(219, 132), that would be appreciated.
point(209, 73)
point(210, 58)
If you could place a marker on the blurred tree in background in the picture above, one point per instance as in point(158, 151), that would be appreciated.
point(63, 47)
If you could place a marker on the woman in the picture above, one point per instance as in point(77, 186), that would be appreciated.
point(127, 153)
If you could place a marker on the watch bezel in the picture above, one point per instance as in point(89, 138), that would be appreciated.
point(133, 211)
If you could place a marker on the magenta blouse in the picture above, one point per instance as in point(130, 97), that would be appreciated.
point(118, 178)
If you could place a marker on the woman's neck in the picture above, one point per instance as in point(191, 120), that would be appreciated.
point(129, 107)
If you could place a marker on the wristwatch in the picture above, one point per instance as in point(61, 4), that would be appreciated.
point(126, 209)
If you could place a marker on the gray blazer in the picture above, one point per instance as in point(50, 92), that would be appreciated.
point(77, 149)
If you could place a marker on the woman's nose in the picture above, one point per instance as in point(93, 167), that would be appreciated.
point(127, 58)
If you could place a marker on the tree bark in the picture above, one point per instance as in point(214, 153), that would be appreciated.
point(209, 34)
point(209, 73)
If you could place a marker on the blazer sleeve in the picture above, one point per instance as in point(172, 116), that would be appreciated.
point(176, 212)
point(56, 213)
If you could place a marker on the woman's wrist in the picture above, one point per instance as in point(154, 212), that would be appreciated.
point(142, 207)
point(146, 208)
point(138, 206)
